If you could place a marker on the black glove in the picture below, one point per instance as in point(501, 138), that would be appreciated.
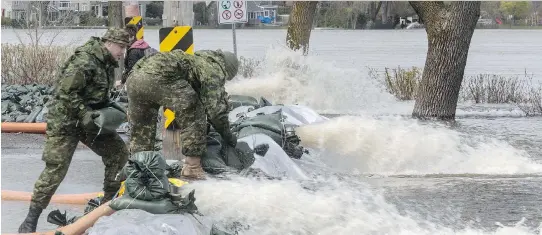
point(117, 106)
point(230, 139)
point(88, 119)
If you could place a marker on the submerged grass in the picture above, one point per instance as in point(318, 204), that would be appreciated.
point(482, 88)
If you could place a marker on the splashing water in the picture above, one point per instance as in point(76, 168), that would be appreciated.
point(334, 207)
point(289, 78)
point(382, 145)
point(396, 145)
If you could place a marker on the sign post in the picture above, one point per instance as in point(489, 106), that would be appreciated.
point(172, 38)
point(232, 12)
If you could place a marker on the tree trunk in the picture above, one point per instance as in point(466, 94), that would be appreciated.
point(300, 25)
point(390, 7)
point(385, 6)
point(373, 9)
point(449, 32)
point(114, 16)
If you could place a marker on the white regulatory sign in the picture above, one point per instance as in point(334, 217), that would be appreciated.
point(230, 12)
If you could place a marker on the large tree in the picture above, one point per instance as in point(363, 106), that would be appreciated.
point(449, 29)
point(300, 25)
point(155, 9)
point(519, 10)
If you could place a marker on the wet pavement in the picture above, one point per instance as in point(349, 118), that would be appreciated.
point(21, 166)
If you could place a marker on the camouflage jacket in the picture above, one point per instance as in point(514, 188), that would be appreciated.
point(206, 73)
point(85, 80)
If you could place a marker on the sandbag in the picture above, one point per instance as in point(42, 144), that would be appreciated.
point(268, 124)
point(212, 161)
point(243, 100)
point(251, 130)
point(172, 204)
point(149, 189)
point(32, 116)
point(240, 157)
point(42, 116)
point(146, 177)
point(162, 206)
point(110, 119)
point(220, 157)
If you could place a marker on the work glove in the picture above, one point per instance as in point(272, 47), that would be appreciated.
point(88, 120)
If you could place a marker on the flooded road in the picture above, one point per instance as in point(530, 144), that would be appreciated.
point(375, 171)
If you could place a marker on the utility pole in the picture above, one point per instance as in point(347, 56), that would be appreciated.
point(176, 13)
point(115, 16)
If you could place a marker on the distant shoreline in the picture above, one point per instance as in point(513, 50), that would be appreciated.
point(227, 27)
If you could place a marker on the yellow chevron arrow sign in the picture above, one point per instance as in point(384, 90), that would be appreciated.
point(170, 116)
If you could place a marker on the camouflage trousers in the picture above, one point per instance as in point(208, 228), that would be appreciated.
point(159, 130)
point(62, 140)
point(146, 94)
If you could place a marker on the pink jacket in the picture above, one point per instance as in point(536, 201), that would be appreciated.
point(139, 44)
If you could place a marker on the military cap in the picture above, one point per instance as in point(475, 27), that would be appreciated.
point(117, 35)
point(231, 63)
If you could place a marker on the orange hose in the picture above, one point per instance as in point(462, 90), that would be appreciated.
point(77, 199)
point(36, 233)
point(82, 224)
point(38, 128)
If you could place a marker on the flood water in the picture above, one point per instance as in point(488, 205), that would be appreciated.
point(376, 171)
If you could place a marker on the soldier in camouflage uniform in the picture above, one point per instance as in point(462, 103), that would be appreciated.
point(83, 85)
point(190, 85)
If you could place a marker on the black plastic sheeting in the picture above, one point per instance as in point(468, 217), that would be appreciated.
point(141, 222)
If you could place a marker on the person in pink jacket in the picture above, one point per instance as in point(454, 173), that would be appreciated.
point(137, 50)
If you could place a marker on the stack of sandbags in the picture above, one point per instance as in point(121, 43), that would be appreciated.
point(148, 187)
point(25, 103)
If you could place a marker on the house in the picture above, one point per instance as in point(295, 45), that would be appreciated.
point(61, 10)
point(6, 9)
point(409, 20)
point(58, 11)
point(17, 10)
point(258, 13)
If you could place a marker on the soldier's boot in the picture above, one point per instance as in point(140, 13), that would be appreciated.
point(31, 222)
point(192, 168)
